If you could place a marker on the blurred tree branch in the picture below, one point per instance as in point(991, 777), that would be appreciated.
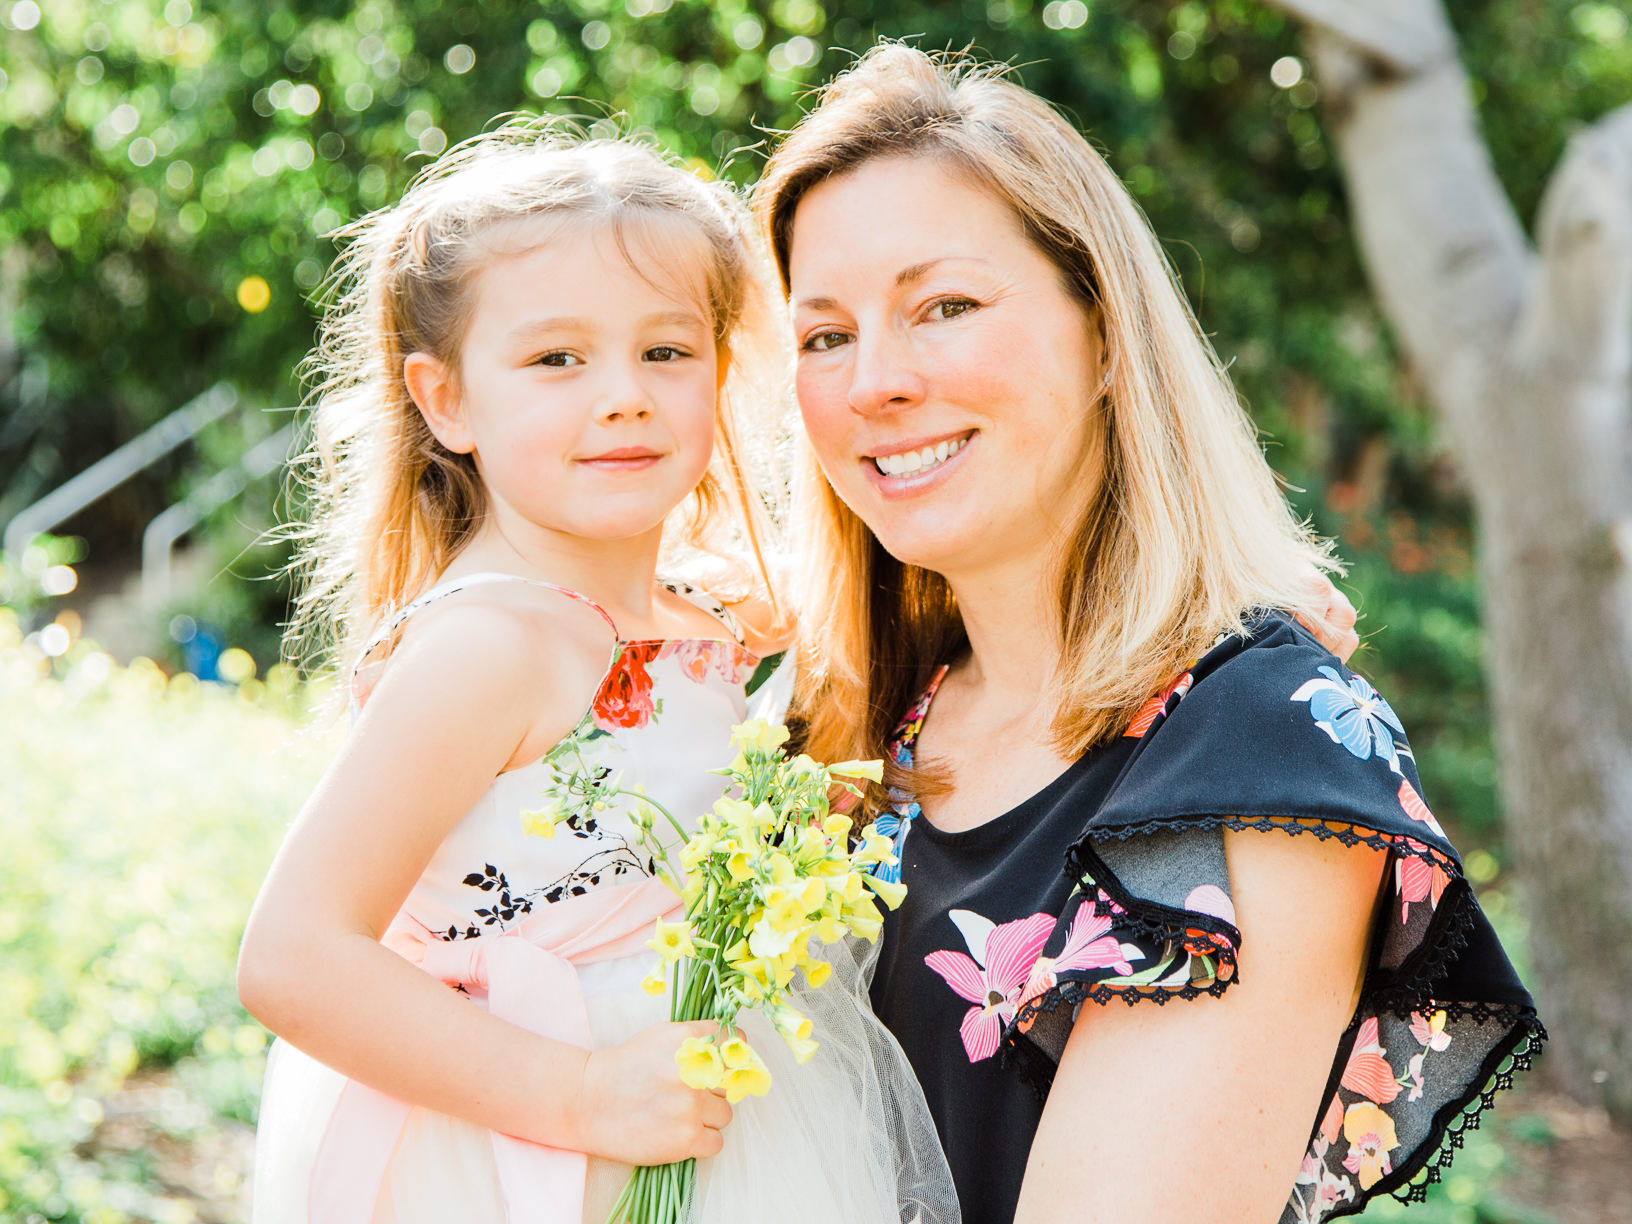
point(1526, 351)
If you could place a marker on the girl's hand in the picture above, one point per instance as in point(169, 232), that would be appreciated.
point(636, 1110)
point(1335, 624)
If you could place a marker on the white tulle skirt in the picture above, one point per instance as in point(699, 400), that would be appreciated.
point(843, 1139)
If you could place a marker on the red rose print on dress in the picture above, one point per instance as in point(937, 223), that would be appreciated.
point(695, 656)
point(992, 980)
point(625, 699)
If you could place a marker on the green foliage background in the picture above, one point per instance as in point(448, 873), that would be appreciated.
point(157, 154)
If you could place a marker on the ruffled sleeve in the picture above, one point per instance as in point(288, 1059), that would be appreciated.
point(1272, 733)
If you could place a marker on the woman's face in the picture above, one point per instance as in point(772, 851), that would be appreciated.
point(946, 376)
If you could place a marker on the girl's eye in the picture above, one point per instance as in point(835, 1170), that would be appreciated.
point(950, 308)
point(559, 359)
point(824, 341)
point(664, 352)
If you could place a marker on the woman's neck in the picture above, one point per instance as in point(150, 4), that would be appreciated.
point(1012, 621)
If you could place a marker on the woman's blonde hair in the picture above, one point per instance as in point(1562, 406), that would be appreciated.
point(1189, 532)
point(387, 506)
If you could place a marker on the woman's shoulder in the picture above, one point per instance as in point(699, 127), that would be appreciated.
point(1272, 725)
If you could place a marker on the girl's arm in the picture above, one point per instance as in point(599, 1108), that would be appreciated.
point(461, 695)
point(1200, 1111)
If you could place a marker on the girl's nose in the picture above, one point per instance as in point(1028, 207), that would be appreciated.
point(624, 397)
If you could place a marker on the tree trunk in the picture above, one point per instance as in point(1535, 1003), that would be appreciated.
point(1526, 352)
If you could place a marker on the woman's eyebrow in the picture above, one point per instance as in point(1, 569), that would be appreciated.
point(917, 271)
point(903, 278)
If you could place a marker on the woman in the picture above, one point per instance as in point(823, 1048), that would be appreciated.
point(1041, 508)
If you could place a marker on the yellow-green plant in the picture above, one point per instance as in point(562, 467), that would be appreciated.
point(770, 872)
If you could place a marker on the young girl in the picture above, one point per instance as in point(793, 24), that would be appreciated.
point(532, 378)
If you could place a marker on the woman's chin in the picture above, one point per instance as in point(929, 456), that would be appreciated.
point(936, 549)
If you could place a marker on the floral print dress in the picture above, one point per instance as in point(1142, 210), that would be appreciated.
point(986, 966)
point(661, 717)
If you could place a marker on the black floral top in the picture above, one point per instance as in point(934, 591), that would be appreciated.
point(987, 963)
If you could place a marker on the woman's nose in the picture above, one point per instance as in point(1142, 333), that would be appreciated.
point(883, 375)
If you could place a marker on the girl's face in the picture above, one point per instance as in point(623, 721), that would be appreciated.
point(586, 391)
point(946, 375)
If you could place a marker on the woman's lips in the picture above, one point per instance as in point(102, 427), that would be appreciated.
point(908, 484)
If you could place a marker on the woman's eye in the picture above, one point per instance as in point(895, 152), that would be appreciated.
point(559, 359)
point(821, 342)
point(950, 308)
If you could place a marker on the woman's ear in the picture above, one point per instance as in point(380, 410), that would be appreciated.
point(1100, 335)
point(435, 393)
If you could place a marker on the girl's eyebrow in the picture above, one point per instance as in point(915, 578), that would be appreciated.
point(907, 276)
point(567, 323)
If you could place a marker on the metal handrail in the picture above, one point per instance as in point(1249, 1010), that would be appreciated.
point(116, 467)
point(175, 521)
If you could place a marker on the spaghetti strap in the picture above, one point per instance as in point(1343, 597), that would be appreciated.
point(400, 617)
point(700, 598)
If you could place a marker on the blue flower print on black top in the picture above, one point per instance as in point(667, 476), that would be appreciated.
point(1354, 714)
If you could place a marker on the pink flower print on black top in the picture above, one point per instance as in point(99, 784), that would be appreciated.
point(1002, 960)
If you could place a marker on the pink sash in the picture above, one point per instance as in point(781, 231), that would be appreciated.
point(530, 981)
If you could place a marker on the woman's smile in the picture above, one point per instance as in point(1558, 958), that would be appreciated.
point(946, 374)
point(913, 467)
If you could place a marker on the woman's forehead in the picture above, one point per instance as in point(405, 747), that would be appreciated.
point(895, 217)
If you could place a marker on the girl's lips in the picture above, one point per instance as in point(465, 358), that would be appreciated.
point(624, 459)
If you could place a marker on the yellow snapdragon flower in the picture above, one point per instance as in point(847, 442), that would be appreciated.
point(654, 982)
point(738, 864)
point(875, 847)
point(700, 1064)
point(736, 1053)
point(672, 940)
point(768, 940)
point(813, 896)
point(794, 1029)
point(863, 918)
point(873, 771)
point(695, 851)
point(757, 735)
point(889, 892)
point(753, 1080)
point(540, 822)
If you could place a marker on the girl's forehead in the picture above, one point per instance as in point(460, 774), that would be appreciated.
point(669, 255)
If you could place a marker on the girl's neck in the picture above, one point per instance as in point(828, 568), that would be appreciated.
point(620, 575)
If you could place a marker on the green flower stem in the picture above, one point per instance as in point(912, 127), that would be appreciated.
point(644, 798)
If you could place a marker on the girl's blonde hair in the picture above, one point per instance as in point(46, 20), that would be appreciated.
point(388, 507)
point(1189, 531)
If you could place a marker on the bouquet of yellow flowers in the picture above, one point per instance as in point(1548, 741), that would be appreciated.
point(765, 874)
